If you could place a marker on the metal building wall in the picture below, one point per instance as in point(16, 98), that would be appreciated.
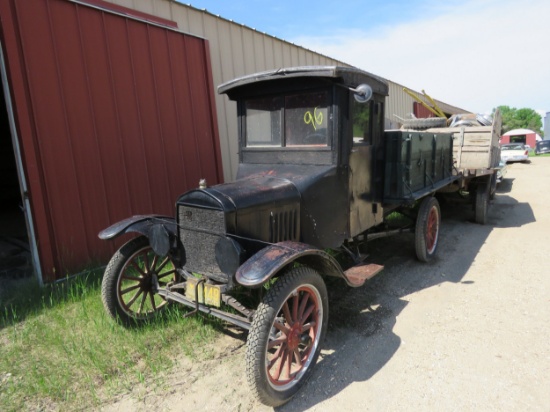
point(237, 50)
point(398, 105)
point(114, 116)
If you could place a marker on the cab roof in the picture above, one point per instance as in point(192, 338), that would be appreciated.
point(347, 76)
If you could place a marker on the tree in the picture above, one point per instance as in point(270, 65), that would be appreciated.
point(525, 118)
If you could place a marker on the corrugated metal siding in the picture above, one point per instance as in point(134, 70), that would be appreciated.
point(121, 121)
point(398, 105)
point(237, 50)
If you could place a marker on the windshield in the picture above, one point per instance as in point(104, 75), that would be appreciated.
point(297, 120)
point(512, 147)
point(540, 145)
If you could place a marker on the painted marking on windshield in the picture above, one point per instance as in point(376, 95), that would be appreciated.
point(315, 119)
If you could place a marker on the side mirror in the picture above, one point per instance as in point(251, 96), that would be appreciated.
point(362, 94)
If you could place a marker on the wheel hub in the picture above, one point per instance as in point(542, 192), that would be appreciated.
point(294, 337)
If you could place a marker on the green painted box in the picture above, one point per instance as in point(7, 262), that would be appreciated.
point(416, 163)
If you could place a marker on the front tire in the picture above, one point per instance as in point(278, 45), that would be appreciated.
point(286, 334)
point(128, 286)
point(428, 222)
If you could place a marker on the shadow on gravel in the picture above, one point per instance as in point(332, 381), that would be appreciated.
point(505, 186)
point(360, 339)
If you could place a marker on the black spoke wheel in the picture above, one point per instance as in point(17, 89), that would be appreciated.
point(284, 341)
point(428, 222)
point(128, 287)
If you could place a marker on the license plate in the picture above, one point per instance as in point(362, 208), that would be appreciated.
point(208, 294)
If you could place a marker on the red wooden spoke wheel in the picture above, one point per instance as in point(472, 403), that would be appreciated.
point(428, 222)
point(284, 341)
point(294, 335)
point(432, 229)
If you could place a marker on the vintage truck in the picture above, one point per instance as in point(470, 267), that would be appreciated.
point(318, 177)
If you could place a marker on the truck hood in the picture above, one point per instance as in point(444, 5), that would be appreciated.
point(259, 207)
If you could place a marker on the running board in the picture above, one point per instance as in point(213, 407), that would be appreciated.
point(358, 275)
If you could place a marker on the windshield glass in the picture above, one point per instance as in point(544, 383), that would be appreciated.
point(512, 147)
point(298, 120)
point(540, 145)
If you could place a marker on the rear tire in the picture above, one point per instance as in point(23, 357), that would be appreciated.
point(482, 203)
point(428, 222)
point(424, 123)
point(286, 334)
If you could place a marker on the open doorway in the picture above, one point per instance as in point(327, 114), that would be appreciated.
point(15, 254)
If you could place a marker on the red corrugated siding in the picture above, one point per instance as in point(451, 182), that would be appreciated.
point(122, 121)
point(421, 112)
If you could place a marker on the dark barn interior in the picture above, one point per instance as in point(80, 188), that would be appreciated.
point(15, 260)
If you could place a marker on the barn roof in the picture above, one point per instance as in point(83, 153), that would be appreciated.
point(517, 132)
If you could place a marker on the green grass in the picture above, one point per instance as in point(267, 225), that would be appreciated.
point(61, 351)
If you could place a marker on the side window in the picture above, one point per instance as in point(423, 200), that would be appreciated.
point(362, 122)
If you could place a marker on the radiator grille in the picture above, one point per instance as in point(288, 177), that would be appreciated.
point(200, 230)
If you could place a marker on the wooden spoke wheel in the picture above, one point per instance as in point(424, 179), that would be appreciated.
point(428, 222)
point(128, 287)
point(284, 341)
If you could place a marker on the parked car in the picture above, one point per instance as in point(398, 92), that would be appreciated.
point(514, 152)
point(502, 169)
point(542, 147)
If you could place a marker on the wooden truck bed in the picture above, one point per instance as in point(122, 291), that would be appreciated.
point(476, 150)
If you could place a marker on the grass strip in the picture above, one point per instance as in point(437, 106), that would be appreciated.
point(61, 351)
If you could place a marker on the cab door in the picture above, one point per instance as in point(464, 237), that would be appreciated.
point(366, 164)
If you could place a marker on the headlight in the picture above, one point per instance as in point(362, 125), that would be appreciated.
point(229, 255)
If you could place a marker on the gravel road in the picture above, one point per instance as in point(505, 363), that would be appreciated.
point(469, 331)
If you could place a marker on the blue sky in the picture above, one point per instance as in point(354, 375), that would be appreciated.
point(475, 54)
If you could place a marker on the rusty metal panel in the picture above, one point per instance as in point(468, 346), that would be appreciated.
point(122, 120)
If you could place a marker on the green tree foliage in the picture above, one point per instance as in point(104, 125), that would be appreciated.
point(513, 118)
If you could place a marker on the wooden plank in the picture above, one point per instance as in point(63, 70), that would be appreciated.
point(476, 147)
point(474, 160)
point(460, 142)
point(472, 129)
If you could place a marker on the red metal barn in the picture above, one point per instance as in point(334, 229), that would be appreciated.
point(109, 113)
point(524, 136)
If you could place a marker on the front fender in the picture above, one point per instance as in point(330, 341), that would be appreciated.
point(267, 262)
point(158, 229)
